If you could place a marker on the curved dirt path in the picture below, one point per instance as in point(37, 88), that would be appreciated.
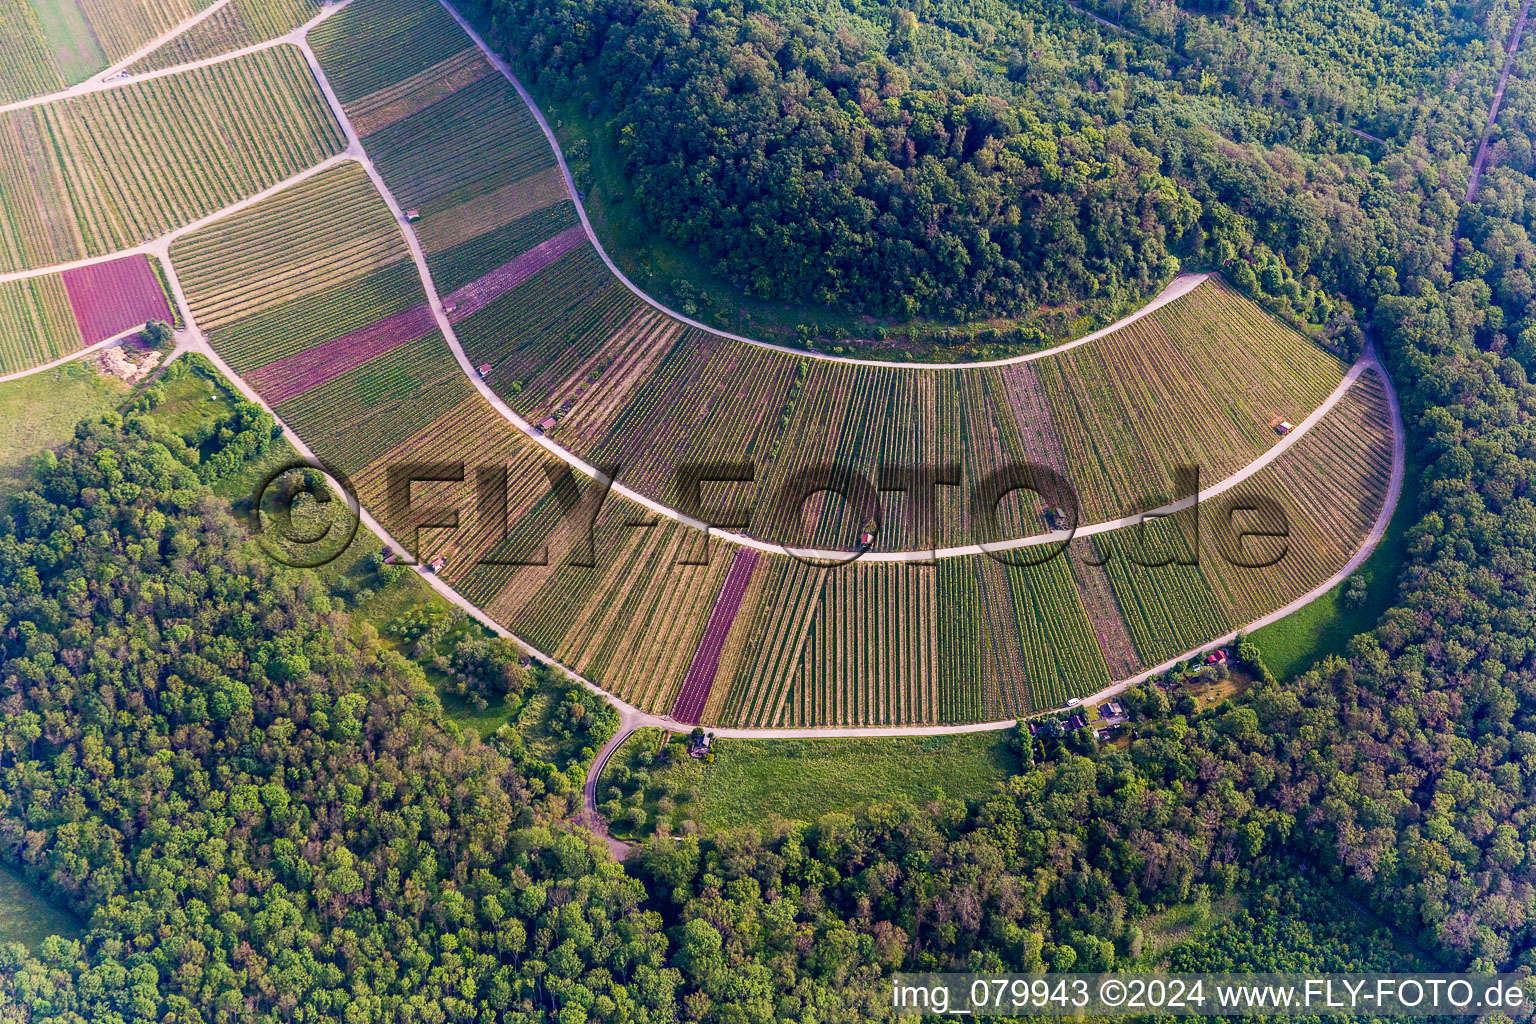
point(1182, 284)
point(592, 818)
point(631, 717)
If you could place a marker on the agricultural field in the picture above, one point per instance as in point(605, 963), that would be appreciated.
point(1331, 486)
point(112, 297)
point(632, 620)
point(629, 387)
point(689, 705)
point(798, 779)
point(28, 66)
point(50, 44)
point(1200, 382)
point(455, 144)
point(237, 24)
point(312, 297)
point(123, 26)
point(37, 324)
point(375, 44)
point(77, 178)
point(312, 263)
point(1157, 573)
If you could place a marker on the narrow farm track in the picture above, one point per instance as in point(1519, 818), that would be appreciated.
point(103, 83)
point(1182, 284)
point(594, 820)
point(165, 37)
point(1475, 178)
point(79, 353)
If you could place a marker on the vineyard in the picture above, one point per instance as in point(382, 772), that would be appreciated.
point(314, 262)
point(1199, 382)
point(36, 323)
point(1331, 485)
point(1113, 418)
point(1157, 574)
point(122, 26)
point(312, 296)
point(237, 24)
point(110, 298)
point(375, 44)
point(82, 177)
point(632, 622)
point(78, 38)
point(454, 143)
point(27, 64)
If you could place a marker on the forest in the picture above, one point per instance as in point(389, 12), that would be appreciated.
point(969, 160)
point(262, 816)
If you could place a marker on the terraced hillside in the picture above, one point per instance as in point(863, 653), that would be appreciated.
point(91, 174)
point(333, 331)
point(1201, 381)
point(468, 426)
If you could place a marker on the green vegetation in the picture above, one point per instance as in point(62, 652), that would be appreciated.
point(749, 781)
point(37, 324)
point(40, 411)
point(376, 43)
point(1309, 634)
point(27, 917)
point(237, 24)
point(271, 280)
point(76, 51)
point(678, 275)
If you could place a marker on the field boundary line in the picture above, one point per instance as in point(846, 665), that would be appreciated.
point(193, 339)
point(155, 44)
point(98, 84)
point(632, 717)
point(160, 248)
point(418, 255)
point(79, 353)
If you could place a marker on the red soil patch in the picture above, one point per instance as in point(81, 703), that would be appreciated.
point(293, 375)
point(116, 296)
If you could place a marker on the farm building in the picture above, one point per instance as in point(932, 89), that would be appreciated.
point(483, 369)
point(546, 423)
point(1284, 427)
point(436, 565)
point(413, 215)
